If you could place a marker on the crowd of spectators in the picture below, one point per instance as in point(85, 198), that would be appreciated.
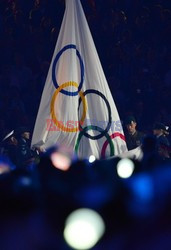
point(132, 41)
point(134, 205)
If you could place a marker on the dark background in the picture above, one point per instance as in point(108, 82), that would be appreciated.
point(133, 42)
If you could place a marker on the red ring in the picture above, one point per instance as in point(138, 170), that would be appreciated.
point(103, 151)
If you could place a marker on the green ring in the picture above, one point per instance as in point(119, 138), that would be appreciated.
point(92, 127)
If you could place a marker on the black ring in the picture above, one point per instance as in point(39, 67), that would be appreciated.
point(96, 137)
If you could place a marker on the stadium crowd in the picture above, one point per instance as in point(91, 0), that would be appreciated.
point(133, 43)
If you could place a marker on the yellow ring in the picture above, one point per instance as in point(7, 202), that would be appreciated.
point(52, 107)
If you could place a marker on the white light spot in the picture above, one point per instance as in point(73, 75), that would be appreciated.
point(84, 228)
point(125, 168)
point(92, 158)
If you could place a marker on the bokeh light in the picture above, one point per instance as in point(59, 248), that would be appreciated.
point(125, 168)
point(83, 228)
point(60, 161)
point(92, 158)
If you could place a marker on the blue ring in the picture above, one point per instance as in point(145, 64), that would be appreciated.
point(65, 92)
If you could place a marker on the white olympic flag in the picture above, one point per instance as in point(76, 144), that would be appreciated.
point(77, 109)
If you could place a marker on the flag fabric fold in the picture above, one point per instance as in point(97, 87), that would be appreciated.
point(77, 109)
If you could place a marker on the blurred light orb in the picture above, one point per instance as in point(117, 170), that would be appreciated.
point(4, 168)
point(92, 158)
point(60, 161)
point(83, 228)
point(25, 181)
point(125, 168)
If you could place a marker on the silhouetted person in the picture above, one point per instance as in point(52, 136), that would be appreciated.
point(9, 146)
point(24, 153)
point(151, 156)
point(160, 132)
point(133, 137)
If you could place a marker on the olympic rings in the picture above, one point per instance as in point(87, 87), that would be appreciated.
point(82, 131)
point(106, 142)
point(91, 127)
point(103, 132)
point(70, 46)
point(52, 105)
